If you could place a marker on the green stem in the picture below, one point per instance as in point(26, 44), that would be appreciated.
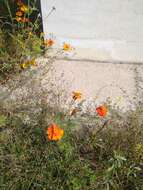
point(105, 123)
point(9, 11)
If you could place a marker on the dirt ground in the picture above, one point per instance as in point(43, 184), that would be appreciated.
point(119, 83)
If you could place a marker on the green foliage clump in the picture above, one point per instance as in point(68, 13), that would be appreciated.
point(107, 159)
point(19, 40)
point(31, 161)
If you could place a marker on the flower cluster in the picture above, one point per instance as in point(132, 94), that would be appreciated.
point(50, 42)
point(22, 10)
point(54, 132)
point(101, 110)
point(28, 63)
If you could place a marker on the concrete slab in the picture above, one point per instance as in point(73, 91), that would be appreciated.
point(121, 84)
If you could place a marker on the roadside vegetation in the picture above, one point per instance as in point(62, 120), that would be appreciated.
point(21, 39)
point(44, 147)
point(58, 151)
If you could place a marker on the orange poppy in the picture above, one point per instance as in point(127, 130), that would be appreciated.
point(77, 95)
point(102, 110)
point(67, 47)
point(54, 132)
point(19, 13)
point(49, 42)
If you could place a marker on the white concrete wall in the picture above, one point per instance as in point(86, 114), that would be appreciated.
point(98, 29)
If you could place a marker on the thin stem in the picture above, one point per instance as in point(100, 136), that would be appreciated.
point(8, 7)
point(105, 123)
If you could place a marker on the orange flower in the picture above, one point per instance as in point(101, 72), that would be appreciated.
point(24, 8)
point(19, 13)
point(77, 95)
point(18, 19)
point(49, 42)
point(24, 20)
point(102, 110)
point(54, 132)
point(67, 47)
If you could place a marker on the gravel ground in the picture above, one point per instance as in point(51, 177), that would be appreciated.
point(119, 83)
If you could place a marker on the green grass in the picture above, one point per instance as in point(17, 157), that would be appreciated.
point(87, 159)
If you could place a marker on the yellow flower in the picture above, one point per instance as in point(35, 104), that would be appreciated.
point(67, 47)
point(28, 63)
point(19, 13)
point(77, 95)
point(33, 62)
point(24, 65)
point(24, 8)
